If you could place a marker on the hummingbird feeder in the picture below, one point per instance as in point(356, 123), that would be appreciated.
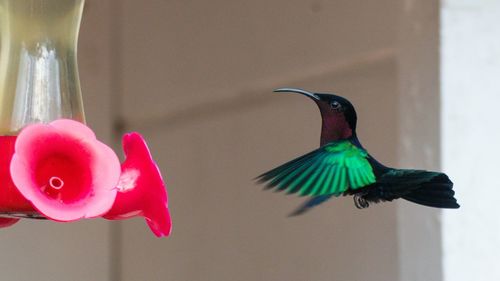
point(52, 166)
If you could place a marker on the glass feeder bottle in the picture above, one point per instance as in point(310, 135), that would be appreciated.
point(38, 62)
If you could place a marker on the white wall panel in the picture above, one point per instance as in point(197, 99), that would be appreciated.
point(471, 94)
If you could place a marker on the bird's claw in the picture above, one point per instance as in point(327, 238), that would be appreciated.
point(360, 201)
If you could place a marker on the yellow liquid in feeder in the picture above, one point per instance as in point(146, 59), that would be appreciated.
point(38, 67)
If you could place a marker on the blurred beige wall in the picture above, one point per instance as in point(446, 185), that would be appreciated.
point(196, 79)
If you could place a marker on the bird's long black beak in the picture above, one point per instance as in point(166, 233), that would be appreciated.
point(298, 91)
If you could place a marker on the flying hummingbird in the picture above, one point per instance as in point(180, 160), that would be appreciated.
point(341, 166)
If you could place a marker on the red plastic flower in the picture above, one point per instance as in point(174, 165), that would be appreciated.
point(64, 171)
point(11, 200)
point(6, 222)
point(141, 190)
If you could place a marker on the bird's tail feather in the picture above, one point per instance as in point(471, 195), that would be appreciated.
point(439, 195)
point(422, 187)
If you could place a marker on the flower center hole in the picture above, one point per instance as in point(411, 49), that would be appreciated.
point(56, 183)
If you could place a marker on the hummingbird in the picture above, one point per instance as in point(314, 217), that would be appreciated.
point(342, 166)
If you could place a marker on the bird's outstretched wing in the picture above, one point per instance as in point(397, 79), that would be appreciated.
point(329, 170)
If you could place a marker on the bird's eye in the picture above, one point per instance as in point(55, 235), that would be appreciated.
point(335, 105)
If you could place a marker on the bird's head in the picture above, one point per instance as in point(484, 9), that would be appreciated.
point(337, 114)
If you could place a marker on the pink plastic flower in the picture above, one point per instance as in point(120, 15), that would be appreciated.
point(64, 171)
point(141, 190)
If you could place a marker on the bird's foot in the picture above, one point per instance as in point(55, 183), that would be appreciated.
point(360, 201)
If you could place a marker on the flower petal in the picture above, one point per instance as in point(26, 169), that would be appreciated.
point(64, 171)
point(141, 190)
